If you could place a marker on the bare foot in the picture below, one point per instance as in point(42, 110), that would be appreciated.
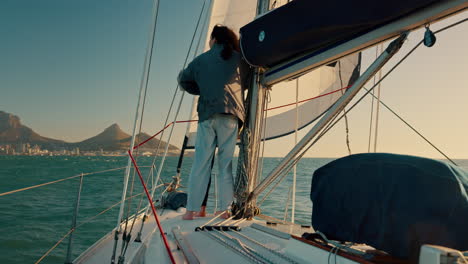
point(201, 213)
point(223, 214)
point(188, 215)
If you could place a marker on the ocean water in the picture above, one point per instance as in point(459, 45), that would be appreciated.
point(32, 221)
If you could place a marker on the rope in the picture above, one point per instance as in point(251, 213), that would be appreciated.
point(461, 256)
point(305, 100)
point(241, 251)
point(60, 180)
point(268, 109)
point(150, 59)
point(245, 246)
point(283, 256)
point(161, 231)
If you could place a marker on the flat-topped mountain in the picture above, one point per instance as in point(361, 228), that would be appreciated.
point(12, 131)
point(112, 138)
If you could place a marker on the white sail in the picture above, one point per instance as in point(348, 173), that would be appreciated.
point(324, 84)
point(318, 90)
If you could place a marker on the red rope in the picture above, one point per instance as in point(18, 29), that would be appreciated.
point(153, 209)
point(305, 100)
point(281, 106)
point(159, 132)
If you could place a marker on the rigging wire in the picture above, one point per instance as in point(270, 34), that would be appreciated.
point(293, 206)
point(265, 117)
point(170, 108)
point(153, 165)
point(295, 161)
point(138, 141)
point(390, 71)
point(166, 125)
point(344, 110)
point(372, 108)
point(377, 110)
point(335, 120)
point(126, 235)
point(287, 168)
point(412, 128)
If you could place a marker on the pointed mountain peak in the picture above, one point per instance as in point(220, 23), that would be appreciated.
point(112, 133)
point(113, 127)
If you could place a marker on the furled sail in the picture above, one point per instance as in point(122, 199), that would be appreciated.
point(316, 91)
point(304, 26)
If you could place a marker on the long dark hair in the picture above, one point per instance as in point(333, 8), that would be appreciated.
point(226, 37)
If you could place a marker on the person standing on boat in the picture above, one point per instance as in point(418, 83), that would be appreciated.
point(215, 76)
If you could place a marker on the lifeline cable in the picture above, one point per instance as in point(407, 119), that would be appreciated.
point(56, 181)
point(87, 220)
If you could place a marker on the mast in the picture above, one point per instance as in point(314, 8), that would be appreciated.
point(250, 141)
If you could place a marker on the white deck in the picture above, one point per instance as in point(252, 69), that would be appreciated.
point(256, 242)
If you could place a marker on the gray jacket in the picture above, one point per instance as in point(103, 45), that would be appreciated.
point(218, 82)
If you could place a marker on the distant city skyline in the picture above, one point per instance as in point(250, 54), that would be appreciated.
point(71, 69)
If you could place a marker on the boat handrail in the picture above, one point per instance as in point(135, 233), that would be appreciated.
point(87, 220)
point(61, 180)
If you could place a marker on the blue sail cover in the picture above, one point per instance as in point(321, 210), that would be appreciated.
point(394, 203)
point(304, 26)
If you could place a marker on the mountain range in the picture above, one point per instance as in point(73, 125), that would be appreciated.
point(112, 138)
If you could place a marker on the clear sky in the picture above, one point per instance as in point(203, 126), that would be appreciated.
point(69, 69)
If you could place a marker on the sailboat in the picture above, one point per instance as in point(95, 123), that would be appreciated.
point(289, 50)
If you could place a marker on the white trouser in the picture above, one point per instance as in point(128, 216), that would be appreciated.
point(220, 130)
